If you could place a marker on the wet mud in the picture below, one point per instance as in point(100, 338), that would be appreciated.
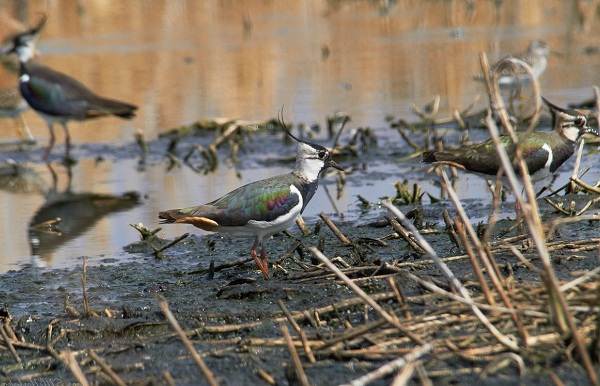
point(232, 315)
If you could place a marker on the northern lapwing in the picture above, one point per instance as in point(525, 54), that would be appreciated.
point(262, 208)
point(536, 56)
point(57, 97)
point(543, 151)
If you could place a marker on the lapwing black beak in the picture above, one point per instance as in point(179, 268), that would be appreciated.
point(332, 164)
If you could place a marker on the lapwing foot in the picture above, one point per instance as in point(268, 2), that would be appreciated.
point(264, 260)
point(261, 263)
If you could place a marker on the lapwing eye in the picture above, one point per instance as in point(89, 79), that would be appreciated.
point(580, 121)
point(322, 154)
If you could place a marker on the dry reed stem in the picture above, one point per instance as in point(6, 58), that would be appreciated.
point(584, 185)
point(511, 344)
point(300, 374)
point(487, 258)
point(302, 226)
point(10, 346)
point(400, 298)
point(392, 366)
point(208, 374)
point(406, 236)
point(391, 319)
point(299, 331)
point(405, 374)
point(106, 368)
point(86, 302)
point(265, 376)
point(69, 359)
point(460, 230)
point(336, 231)
point(469, 302)
point(168, 378)
point(530, 209)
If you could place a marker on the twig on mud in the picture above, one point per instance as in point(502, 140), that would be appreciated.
point(158, 251)
point(531, 212)
point(106, 368)
point(391, 319)
point(487, 258)
point(392, 366)
point(9, 344)
point(265, 376)
point(336, 141)
point(336, 231)
point(86, 302)
point(400, 298)
point(302, 226)
point(145, 233)
point(581, 279)
point(575, 173)
point(404, 375)
point(208, 374)
point(168, 378)
point(585, 186)
point(221, 267)
point(69, 359)
point(332, 201)
point(300, 374)
point(352, 333)
point(452, 278)
point(409, 238)
point(460, 229)
point(299, 331)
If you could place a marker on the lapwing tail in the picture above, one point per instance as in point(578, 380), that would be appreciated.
point(114, 107)
point(177, 216)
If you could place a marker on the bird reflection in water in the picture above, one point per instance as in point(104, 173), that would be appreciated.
point(67, 215)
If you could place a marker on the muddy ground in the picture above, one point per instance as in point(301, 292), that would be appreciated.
point(232, 315)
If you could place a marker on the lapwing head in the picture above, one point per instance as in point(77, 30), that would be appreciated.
point(23, 44)
point(539, 48)
point(311, 159)
point(571, 124)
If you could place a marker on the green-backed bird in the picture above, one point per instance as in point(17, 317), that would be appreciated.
point(261, 208)
point(543, 151)
point(57, 97)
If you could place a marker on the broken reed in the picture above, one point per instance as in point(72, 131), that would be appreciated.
point(529, 208)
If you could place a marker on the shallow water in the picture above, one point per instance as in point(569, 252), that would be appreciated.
point(183, 61)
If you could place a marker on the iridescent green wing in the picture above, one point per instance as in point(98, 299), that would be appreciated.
point(263, 200)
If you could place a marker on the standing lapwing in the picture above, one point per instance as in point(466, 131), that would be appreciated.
point(262, 208)
point(543, 151)
point(536, 56)
point(57, 97)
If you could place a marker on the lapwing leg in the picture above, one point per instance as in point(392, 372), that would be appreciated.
point(67, 142)
point(264, 260)
point(51, 143)
point(258, 260)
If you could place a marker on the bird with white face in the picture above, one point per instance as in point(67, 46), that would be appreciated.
point(543, 151)
point(262, 208)
point(55, 96)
